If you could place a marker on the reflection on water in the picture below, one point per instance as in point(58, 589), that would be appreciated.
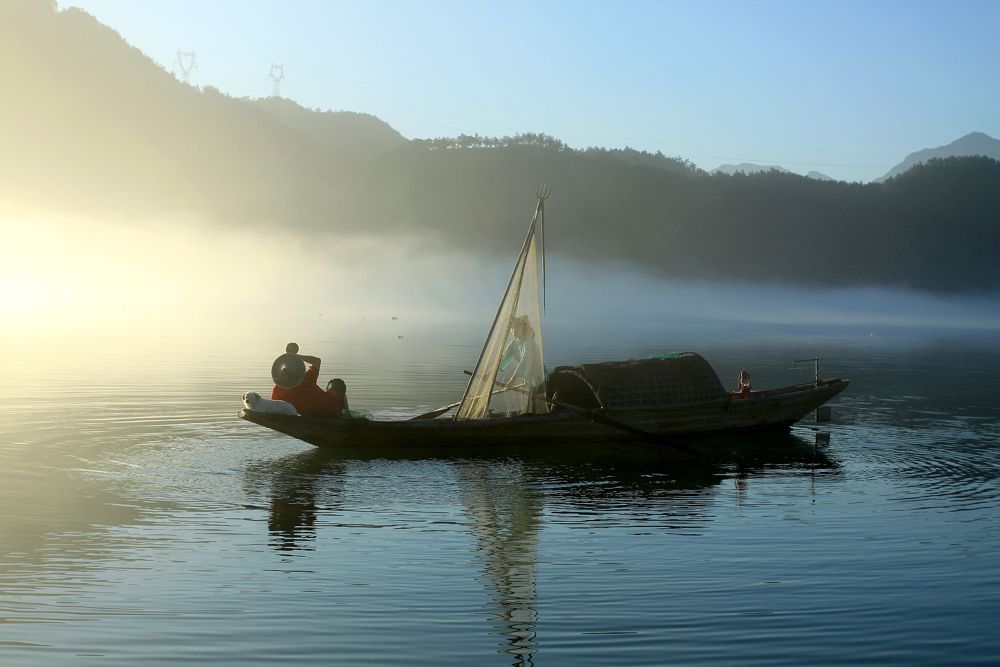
point(503, 501)
point(143, 523)
point(298, 485)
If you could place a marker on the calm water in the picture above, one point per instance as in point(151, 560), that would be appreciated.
point(142, 523)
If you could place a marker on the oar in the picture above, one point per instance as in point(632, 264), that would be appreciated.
point(438, 412)
point(445, 408)
point(602, 418)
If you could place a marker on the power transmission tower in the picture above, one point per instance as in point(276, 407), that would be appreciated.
point(185, 61)
point(277, 75)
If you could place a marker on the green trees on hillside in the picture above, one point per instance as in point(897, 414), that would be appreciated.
point(536, 139)
point(936, 227)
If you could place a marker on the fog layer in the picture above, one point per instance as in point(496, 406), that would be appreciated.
point(72, 281)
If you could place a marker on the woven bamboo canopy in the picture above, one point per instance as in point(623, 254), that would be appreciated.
point(674, 379)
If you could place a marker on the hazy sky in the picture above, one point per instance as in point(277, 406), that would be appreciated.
point(845, 88)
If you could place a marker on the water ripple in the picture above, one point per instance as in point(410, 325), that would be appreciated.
point(138, 502)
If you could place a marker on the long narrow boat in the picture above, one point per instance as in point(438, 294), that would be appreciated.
point(762, 410)
point(511, 402)
point(655, 411)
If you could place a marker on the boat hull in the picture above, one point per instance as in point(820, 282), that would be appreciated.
point(760, 410)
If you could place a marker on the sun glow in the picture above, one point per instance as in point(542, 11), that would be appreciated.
point(64, 280)
point(62, 275)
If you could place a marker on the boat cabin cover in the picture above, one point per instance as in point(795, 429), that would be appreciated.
point(659, 382)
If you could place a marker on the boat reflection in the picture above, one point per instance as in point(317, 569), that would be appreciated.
point(297, 486)
point(504, 508)
point(503, 499)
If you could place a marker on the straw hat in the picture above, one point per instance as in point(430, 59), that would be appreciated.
point(288, 371)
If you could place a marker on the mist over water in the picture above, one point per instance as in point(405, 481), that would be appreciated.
point(144, 284)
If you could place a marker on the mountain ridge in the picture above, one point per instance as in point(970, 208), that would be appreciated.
point(101, 128)
point(969, 145)
point(347, 131)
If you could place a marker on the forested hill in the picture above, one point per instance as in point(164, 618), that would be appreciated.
point(936, 227)
point(93, 125)
point(974, 143)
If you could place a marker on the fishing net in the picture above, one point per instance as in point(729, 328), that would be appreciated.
point(509, 378)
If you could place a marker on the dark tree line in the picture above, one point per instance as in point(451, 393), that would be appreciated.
point(936, 227)
point(536, 139)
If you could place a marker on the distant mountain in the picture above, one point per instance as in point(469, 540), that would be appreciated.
point(92, 123)
point(747, 168)
point(819, 176)
point(345, 131)
point(975, 143)
point(93, 127)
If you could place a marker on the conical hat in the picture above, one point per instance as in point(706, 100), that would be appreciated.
point(288, 371)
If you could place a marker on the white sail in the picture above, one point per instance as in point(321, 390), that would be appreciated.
point(509, 378)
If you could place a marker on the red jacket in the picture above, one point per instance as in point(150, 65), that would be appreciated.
point(308, 398)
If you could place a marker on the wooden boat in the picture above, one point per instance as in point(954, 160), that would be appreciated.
point(655, 401)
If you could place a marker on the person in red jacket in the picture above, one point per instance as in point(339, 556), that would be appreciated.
point(306, 396)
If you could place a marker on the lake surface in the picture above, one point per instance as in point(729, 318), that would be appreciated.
point(142, 523)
